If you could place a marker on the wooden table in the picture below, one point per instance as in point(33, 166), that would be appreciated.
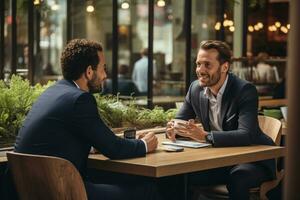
point(160, 163)
point(3, 152)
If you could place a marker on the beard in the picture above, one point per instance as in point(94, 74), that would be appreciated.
point(95, 84)
point(210, 79)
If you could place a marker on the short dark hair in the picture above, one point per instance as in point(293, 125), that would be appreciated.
point(222, 48)
point(77, 56)
point(123, 69)
point(144, 52)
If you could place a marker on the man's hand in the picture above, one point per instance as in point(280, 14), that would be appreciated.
point(151, 141)
point(170, 131)
point(140, 135)
point(191, 130)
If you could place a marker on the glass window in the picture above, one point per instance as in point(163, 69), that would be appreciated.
point(51, 25)
point(7, 39)
point(169, 48)
point(133, 40)
point(93, 20)
point(205, 26)
point(22, 38)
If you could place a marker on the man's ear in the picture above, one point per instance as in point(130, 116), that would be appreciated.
point(89, 72)
point(225, 67)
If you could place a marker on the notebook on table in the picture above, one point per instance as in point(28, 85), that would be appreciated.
point(190, 144)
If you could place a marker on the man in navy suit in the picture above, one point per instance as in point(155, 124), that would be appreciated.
point(64, 122)
point(227, 108)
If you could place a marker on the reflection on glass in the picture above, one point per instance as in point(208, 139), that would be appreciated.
point(7, 39)
point(93, 20)
point(169, 48)
point(51, 23)
point(22, 38)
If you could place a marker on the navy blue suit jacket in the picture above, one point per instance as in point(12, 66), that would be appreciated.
point(64, 122)
point(238, 114)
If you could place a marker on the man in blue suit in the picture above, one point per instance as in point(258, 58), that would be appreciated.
point(227, 108)
point(64, 122)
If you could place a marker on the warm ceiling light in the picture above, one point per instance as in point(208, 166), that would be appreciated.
point(36, 2)
point(161, 3)
point(284, 29)
point(256, 27)
point(90, 8)
point(288, 26)
point(231, 28)
point(218, 26)
point(277, 24)
point(260, 25)
point(250, 28)
point(125, 5)
point(230, 23)
point(204, 25)
point(225, 16)
point(226, 23)
point(55, 6)
point(270, 28)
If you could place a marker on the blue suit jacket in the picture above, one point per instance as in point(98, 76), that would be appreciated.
point(64, 122)
point(238, 114)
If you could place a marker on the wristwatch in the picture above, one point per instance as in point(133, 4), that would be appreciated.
point(209, 138)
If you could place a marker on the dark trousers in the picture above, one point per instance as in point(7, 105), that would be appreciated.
point(117, 186)
point(238, 179)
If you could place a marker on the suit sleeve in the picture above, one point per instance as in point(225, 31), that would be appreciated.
point(247, 121)
point(186, 111)
point(92, 129)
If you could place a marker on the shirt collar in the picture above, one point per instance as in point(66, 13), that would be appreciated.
point(76, 85)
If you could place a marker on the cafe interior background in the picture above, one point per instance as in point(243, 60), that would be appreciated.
point(34, 33)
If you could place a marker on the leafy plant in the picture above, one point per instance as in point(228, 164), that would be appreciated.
point(17, 97)
point(116, 113)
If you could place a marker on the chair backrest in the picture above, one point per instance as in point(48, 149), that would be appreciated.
point(271, 127)
point(45, 177)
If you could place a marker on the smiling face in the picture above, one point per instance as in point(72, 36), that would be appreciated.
point(209, 70)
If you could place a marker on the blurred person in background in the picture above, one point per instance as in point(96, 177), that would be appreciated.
point(140, 72)
point(125, 86)
point(266, 73)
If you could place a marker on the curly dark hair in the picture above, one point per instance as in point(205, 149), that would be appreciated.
point(77, 56)
point(222, 48)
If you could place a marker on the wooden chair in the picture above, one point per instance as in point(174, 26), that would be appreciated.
point(271, 127)
point(45, 177)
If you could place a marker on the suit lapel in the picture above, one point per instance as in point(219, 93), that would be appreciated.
point(226, 98)
point(204, 111)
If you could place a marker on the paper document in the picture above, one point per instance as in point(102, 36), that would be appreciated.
point(184, 143)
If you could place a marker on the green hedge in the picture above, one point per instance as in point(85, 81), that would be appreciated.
point(17, 97)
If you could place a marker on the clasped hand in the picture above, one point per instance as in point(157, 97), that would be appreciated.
point(189, 129)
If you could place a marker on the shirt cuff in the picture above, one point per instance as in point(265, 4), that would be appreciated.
point(145, 145)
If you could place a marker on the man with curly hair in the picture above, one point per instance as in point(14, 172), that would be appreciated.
point(64, 122)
